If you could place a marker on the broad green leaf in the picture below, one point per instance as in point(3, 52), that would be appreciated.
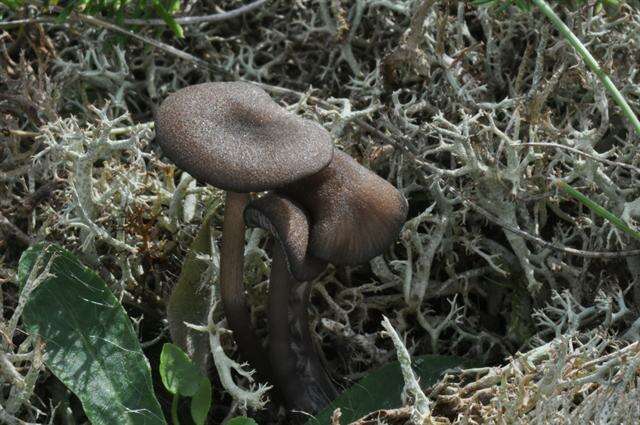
point(201, 402)
point(91, 345)
point(241, 420)
point(179, 375)
point(189, 301)
point(382, 388)
point(598, 209)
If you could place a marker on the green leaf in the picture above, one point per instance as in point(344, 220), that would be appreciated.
point(201, 402)
point(382, 388)
point(179, 375)
point(12, 4)
point(182, 378)
point(189, 301)
point(168, 18)
point(598, 209)
point(523, 5)
point(64, 14)
point(174, 6)
point(91, 345)
point(241, 420)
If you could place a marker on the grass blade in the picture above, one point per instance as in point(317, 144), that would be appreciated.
point(598, 209)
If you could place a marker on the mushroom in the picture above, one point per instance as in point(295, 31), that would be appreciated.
point(355, 214)
point(297, 370)
point(289, 224)
point(344, 214)
point(233, 136)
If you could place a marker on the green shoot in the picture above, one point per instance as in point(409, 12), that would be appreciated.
point(182, 378)
point(580, 48)
point(114, 9)
point(598, 209)
point(590, 61)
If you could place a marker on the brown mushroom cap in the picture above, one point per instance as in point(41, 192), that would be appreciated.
point(288, 222)
point(355, 214)
point(234, 136)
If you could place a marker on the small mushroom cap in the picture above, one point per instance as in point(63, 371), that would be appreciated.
point(234, 136)
point(355, 214)
point(288, 222)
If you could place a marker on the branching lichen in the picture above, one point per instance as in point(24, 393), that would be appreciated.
point(252, 398)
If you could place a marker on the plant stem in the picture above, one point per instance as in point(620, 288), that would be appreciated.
point(598, 209)
point(174, 410)
point(232, 290)
point(590, 61)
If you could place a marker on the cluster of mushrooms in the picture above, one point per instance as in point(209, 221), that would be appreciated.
point(321, 206)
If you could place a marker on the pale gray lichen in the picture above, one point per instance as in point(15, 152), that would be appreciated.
point(412, 394)
point(581, 375)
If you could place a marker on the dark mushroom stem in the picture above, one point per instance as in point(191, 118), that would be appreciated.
point(297, 371)
point(295, 362)
point(232, 289)
point(321, 390)
point(282, 361)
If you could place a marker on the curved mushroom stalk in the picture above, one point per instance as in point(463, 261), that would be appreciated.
point(296, 367)
point(354, 215)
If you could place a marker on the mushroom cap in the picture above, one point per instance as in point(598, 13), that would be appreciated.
point(355, 214)
point(289, 223)
point(233, 136)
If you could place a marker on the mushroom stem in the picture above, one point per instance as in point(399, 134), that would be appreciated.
point(297, 369)
point(232, 289)
point(282, 361)
point(315, 375)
